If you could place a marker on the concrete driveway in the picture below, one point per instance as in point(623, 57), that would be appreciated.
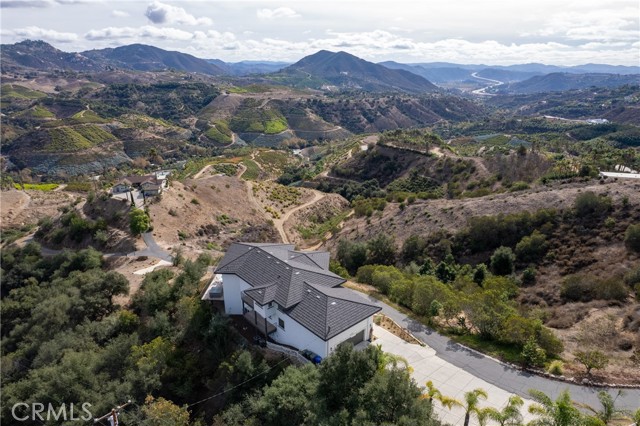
point(452, 381)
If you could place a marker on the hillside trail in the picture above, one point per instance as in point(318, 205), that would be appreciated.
point(279, 223)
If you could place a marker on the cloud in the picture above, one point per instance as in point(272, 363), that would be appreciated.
point(162, 13)
point(279, 13)
point(119, 14)
point(620, 24)
point(25, 3)
point(14, 4)
point(38, 33)
point(146, 31)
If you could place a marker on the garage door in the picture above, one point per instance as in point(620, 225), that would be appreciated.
point(356, 339)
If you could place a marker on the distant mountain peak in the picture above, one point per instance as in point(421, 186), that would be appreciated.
point(347, 71)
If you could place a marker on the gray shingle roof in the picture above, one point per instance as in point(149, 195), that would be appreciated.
point(327, 312)
point(300, 283)
point(263, 264)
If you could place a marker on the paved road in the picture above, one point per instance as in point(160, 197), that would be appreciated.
point(501, 375)
point(621, 175)
point(152, 250)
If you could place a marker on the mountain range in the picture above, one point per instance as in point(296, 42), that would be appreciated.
point(332, 71)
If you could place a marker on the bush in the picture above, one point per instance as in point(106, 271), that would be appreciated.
point(352, 255)
point(365, 274)
point(532, 354)
point(586, 288)
point(632, 238)
point(502, 261)
point(592, 360)
point(139, 221)
point(589, 204)
point(382, 250)
point(556, 368)
point(529, 276)
point(532, 248)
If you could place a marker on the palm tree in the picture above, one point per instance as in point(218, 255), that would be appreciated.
point(470, 405)
point(560, 412)
point(609, 412)
point(510, 415)
point(431, 394)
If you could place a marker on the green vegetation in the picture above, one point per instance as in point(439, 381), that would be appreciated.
point(94, 134)
point(87, 116)
point(139, 221)
point(36, 111)
point(20, 92)
point(37, 186)
point(79, 186)
point(258, 120)
point(220, 133)
point(320, 229)
point(349, 387)
point(632, 238)
point(252, 172)
point(67, 139)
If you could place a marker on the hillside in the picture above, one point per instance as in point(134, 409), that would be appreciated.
point(564, 81)
point(142, 57)
point(348, 72)
point(43, 56)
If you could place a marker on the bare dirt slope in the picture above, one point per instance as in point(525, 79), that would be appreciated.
point(428, 216)
point(18, 208)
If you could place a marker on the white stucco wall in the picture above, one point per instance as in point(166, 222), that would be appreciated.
point(233, 286)
point(350, 332)
point(297, 336)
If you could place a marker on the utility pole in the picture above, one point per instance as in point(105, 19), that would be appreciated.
point(113, 415)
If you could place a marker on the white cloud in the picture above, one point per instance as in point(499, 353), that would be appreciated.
point(162, 13)
point(38, 33)
point(14, 4)
point(25, 3)
point(279, 13)
point(621, 24)
point(119, 14)
point(147, 31)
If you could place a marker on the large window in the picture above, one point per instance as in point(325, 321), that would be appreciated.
point(281, 323)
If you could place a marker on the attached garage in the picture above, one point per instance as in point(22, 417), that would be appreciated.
point(356, 339)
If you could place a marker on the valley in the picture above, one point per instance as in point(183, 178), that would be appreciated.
point(494, 213)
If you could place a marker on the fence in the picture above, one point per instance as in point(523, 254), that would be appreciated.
point(291, 353)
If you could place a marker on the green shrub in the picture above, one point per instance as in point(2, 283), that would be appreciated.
point(532, 248)
point(519, 186)
point(585, 288)
point(589, 204)
point(632, 238)
point(365, 274)
point(532, 354)
point(529, 276)
point(556, 368)
point(502, 261)
point(139, 221)
point(592, 360)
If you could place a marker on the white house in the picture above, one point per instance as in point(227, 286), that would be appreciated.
point(292, 297)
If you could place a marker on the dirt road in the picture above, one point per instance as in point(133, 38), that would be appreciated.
point(279, 223)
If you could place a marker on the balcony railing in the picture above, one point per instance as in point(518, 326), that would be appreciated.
point(258, 321)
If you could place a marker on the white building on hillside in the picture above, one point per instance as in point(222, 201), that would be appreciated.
point(292, 297)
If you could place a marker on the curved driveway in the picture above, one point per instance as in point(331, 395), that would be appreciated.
point(501, 375)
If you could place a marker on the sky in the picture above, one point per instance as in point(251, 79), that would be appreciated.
point(493, 32)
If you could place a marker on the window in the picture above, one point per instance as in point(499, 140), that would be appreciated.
point(281, 323)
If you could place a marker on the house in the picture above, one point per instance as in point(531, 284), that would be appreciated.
point(292, 297)
point(149, 185)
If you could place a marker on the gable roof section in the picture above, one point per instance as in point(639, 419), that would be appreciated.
point(261, 265)
point(263, 295)
point(327, 312)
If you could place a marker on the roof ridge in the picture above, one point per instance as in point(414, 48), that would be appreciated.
point(321, 290)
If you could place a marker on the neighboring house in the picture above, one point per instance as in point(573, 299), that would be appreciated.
point(121, 187)
point(292, 297)
point(150, 185)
